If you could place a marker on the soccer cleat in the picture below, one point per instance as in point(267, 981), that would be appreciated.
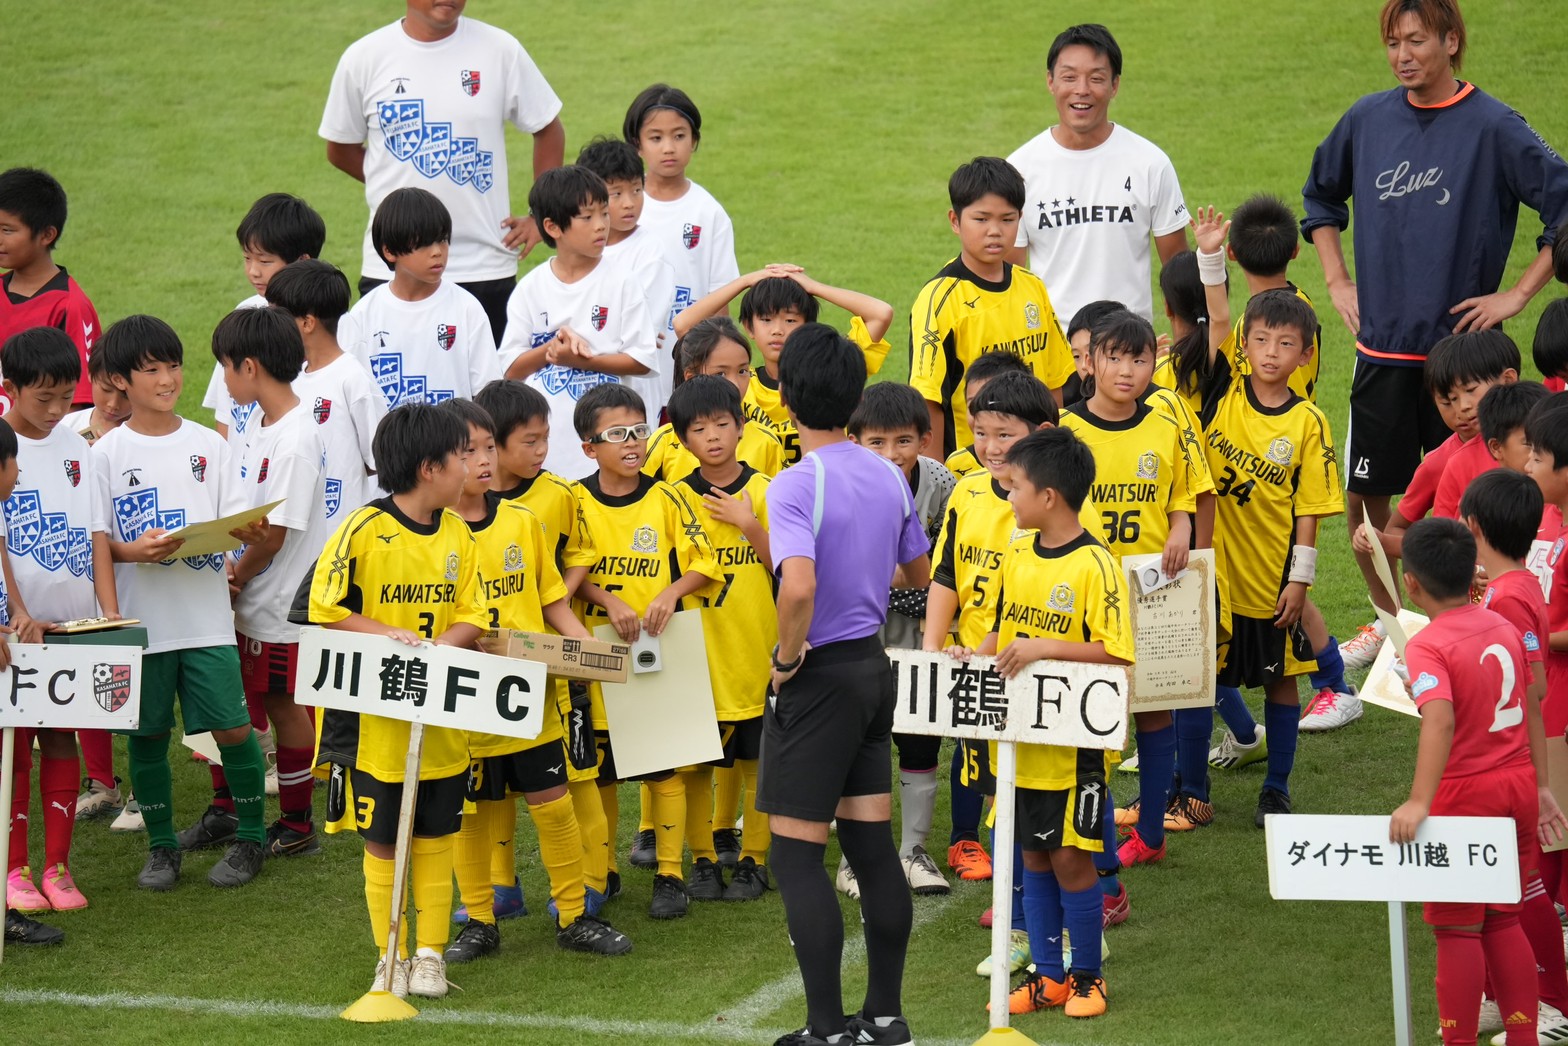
point(1117, 908)
point(60, 890)
point(669, 898)
point(130, 818)
point(474, 941)
point(97, 799)
point(879, 1031)
point(969, 860)
point(1037, 992)
point(240, 864)
point(283, 841)
point(1088, 995)
point(612, 885)
point(1129, 765)
point(269, 783)
point(924, 877)
point(1187, 812)
point(1127, 816)
point(1134, 850)
point(644, 853)
point(508, 901)
point(1551, 1026)
point(161, 871)
point(19, 929)
point(748, 882)
point(846, 882)
point(805, 1038)
point(1360, 650)
point(269, 755)
point(399, 977)
point(594, 936)
point(986, 918)
point(1330, 711)
point(1231, 754)
point(21, 894)
point(707, 881)
point(217, 827)
point(1490, 1019)
point(1017, 954)
point(726, 843)
point(427, 976)
point(1271, 801)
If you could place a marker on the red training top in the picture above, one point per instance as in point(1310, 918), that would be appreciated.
point(58, 303)
point(1473, 659)
point(1466, 463)
point(1516, 597)
point(1416, 502)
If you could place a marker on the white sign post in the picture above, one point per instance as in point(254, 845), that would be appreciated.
point(1349, 858)
point(1066, 703)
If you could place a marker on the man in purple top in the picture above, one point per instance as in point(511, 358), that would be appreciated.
point(843, 528)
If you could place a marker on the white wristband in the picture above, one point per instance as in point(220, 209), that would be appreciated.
point(1211, 268)
point(1303, 564)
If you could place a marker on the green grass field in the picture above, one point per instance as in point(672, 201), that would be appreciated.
point(829, 134)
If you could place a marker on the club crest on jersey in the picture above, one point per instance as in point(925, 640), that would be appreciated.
point(598, 317)
point(54, 541)
point(644, 539)
point(322, 410)
point(332, 497)
point(691, 235)
point(434, 150)
point(79, 553)
point(199, 468)
point(24, 521)
point(73, 472)
point(1424, 682)
point(465, 154)
point(1279, 451)
point(484, 171)
point(111, 686)
point(402, 125)
point(446, 336)
point(1148, 465)
point(451, 566)
point(1032, 316)
point(469, 79)
point(512, 559)
point(1062, 598)
point(261, 473)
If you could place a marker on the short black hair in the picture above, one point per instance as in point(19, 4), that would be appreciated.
point(660, 96)
point(703, 396)
point(95, 366)
point(511, 404)
point(470, 413)
point(610, 395)
point(1504, 408)
point(888, 406)
point(1020, 395)
point(775, 294)
point(1263, 235)
point(1130, 333)
point(982, 176)
point(821, 375)
point(1506, 506)
point(37, 198)
point(694, 347)
point(1547, 429)
point(135, 341)
point(1440, 553)
point(1279, 307)
point(1091, 35)
point(412, 436)
point(989, 365)
point(1092, 315)
point(557, 195)
point(8, 447)
point(407, 220)
point(283, 225)
point(1550, 348)
point(612, 159)
point(1472, 356)
point(268, 335)
point(40, 355)
point(311, 287)
point(1055, 459)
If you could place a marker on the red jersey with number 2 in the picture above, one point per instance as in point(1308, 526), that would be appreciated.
point(1473, 659)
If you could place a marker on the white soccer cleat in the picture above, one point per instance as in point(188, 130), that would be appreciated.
point(399, 977)
point(96, 800)
point(130, 819)
point(1330, 711)
point(1360, 650)
point(923, 876)
point(1231, 754)
point(847, 884)
point(427, 977)
point(1551, 1026)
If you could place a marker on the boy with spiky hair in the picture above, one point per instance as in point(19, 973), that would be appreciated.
point(1263, 242)
point(982, 369)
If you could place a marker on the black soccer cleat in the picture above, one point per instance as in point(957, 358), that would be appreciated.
point(867, 1031)
point(240, 864)
point(669, 898)
point(748, 883)
point(707, 881)
point(1271, 801)
point(283, 841)
point(217, 827)
point(474, 941)
point(726, 843)
point(19, 929)
point(644, 851)
point(594, 936)
point(162, 870)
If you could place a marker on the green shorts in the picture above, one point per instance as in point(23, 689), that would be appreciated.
point(208, 682)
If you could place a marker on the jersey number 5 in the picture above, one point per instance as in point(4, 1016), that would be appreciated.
point(1505, 716)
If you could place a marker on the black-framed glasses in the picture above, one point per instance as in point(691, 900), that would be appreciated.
point(622, 433)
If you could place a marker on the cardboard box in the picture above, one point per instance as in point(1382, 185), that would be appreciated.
point(569, 658)
point(129, 635)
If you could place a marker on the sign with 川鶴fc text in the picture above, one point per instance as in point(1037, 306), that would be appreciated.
point(436, 685)
point(1067, 703)
point(72, 687)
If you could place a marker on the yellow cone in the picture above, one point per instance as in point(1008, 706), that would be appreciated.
point(379, 1007)
point(1004, 1037)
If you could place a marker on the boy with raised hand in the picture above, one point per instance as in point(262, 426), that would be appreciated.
point(410, 537)
point(741, 627)
point(1061, 791)
point(158, 472)
point(670, 559)
point(1263, 241)
point(424, 338)
point(1467, 673)
point(575, 322)
point(58, 556)
point(980, 302)
point(523, 589)
point(981, 369)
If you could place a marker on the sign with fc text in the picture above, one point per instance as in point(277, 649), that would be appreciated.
point(72, 687)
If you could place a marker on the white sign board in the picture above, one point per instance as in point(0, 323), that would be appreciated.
point(1067, 703)
point(72, 687)
point(664, 717)
point(436, 685)
point(1349, 858)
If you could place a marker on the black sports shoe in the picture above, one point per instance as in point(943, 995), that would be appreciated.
point(161, 871)
point(612, 886)
point(283, 841)
point(217, 827)
point(748, 882)
point(1272, 801)
point(19, 929)
point(866, 1031)
point(805, 1038)
point(707, 881)
point(595, 936)
point(240, 864)
point(474, 941)
point(669, 898)
point(726, 843)
point(644, 853)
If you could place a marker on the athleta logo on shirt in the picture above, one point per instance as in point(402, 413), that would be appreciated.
point(446, 336)
point(598, 316)
point(469, 79)
point(691, 235)
point(1054, 215)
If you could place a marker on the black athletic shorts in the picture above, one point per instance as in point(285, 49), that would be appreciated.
point(537, 769)
point(1050, 820)
point(492, 294)
point(1258, 653)
point(1393, 421)
point(975, 766)
point(828, 735)
point(741, 738)
point(438, 807)
point(917, 752)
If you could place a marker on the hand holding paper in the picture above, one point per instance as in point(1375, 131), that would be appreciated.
point(216, 535)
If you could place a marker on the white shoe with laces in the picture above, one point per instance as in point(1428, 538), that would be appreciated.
point(1330, 710)
point(130, 818)
point(923, 876)
point(97, 799)
point(1360, 650)
point(399, 977)
point(427, 975)
point(1550, 1025)
point(847, 884)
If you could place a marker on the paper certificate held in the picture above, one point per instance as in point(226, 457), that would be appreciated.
point(212, 536)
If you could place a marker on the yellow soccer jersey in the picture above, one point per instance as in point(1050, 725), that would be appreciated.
point(958, 316)
point(763, 403)
point(1304, 381)
point(551, 499)
point(963, 461)
point(425, 578)
point(740, 621)
point(1074, 593)
point(669, 460)
point(1271, 466)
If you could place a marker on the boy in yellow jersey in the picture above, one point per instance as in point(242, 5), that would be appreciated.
point(741, 628)
point(980, 302)
point(1147, 482)
point(653, 553)
point(523, 589)
point(1263, 241)
point(408, 541)
point(982, 369)
point(1063, 576)
point(777, 300)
